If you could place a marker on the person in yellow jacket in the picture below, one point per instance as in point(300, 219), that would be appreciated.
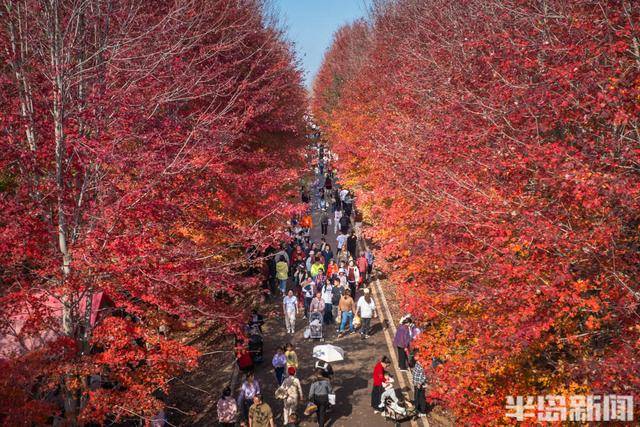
point(282, 274)
point(317, 267)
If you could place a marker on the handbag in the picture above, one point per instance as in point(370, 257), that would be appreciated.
point(281, 393)
point(357, 321)
point(310, 409)
point(332, 399)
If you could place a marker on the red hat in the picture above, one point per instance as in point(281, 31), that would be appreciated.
point(291, 370)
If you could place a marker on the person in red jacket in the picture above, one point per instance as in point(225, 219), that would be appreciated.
point(363, 266)
point(243, 358)
point(378, 379)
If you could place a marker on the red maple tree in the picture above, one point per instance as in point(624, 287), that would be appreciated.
point(494, 149)
point(146, 147)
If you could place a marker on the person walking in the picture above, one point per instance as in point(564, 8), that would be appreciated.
point(293, 394)
point(402, 341)
point(366, 308)
point(279, 363)
point(343, 259)
point(260, 414)
point(343, 193)
point(327, 253)
point(346, 308)
point(322, 203)
point(300, 274)
point(328, 184)
point(319, 394)
point(310, 260)
point(282, 274)
point(347, 205)
point(370, 259)
point(419, 389)
point(342, 278)
point(304, 194)
point(324, 222)
point(345, 222)
point(353, 277)
point(249, 389)
point(297, 256)
point(317, 266)
point(337, 215)
point(327, 297)
point(227, 409)
point(282, 253)
point(341, 241)
point(378, 379)
point(292, 357)
point(362, 265)
point(290, 309)
point(332, 269)
point(320, 280)
point(352, 244)
point(317, 304)
point(243, 358)
point(308, 290)
point(337, 203)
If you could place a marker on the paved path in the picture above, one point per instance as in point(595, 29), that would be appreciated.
point(352, 377)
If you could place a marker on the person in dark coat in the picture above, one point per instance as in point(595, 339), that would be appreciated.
point(324, 222)
point(344, 224)
point(352, 245)
point(328, 183)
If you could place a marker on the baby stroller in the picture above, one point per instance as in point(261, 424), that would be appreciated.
point(315, 326)
point(256, 343)
point(400, 412)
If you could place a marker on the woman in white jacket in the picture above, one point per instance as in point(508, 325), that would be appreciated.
point(336, 223)
point(292, 393)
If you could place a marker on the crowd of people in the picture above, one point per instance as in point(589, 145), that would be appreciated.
point(328, 287)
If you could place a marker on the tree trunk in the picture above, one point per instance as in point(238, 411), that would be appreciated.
point(59, 92)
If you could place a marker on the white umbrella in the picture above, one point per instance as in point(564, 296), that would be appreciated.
point(328, 353)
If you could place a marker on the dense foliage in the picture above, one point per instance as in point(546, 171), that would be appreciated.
point(495, 149)
point(147, 147)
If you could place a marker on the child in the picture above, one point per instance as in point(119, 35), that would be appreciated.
point(292, 357)
point(390, 392)
point(279, 363)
